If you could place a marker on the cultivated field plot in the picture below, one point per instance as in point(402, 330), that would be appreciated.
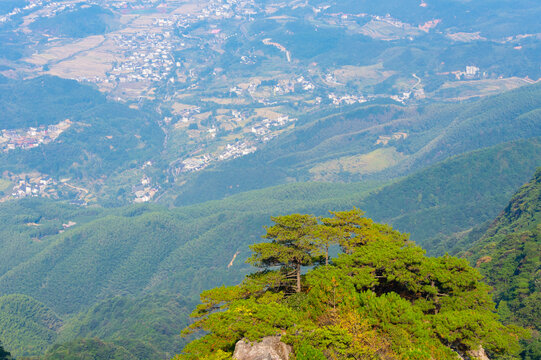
point(365, 75)
point(389, 30)
point(465, 37)
point(370, 163)
point(461, 90)
point(56, 54)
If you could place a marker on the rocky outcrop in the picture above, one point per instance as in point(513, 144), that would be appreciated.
point(269, 348)
point(478, 354)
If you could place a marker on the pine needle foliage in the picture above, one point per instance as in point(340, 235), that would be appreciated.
point(4, 355)
point(382, 298)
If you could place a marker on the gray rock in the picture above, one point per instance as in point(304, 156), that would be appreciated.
point(478, 354)
point(270, 348)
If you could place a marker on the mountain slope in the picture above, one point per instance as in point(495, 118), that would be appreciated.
point(141, 250)
point(188, 249)
point(151, 322)
point(509, 255)
point(349, 146)
point(28, 225)
point(28, 326)
point(455, 195)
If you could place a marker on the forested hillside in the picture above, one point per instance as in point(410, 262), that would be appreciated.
point(456, 195)
point(98, 349)
point(509, 256)
point(103, 139)
point(148, 325)
point(348, 146)
point(29, 225)
point(489, 19)
point(140, 249)
point(151, 149)
point(28, 326)
point(80, 22)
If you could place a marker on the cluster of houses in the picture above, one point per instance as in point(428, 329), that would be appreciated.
point(148, 56)
point(226, 9)
point(346, 99)
point(50, 9)
point(144, 191)
point(239, 149)
point(263, 129)
point(31, 137)
point(187, 115)
point(472, 72)
point(248, 59)
point(16, 11)
point(282, 87)
point(193, 164)
point(231, 151)
point(34, 187)
point(384, 139)
point(289, 86)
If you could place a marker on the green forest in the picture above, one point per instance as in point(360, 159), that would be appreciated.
point(105, 137)
point(345, 179)
point(149, 263)
point(509, 256)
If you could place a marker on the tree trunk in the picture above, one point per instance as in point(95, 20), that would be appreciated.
point(326, 255)
point(298, 269)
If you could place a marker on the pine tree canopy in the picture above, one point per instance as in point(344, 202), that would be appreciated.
point(381, 298)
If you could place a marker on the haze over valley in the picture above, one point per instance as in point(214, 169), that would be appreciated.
point(146, 144)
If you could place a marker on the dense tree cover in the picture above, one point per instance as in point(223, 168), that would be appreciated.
point(44, 100)
point(438, 203)
point(27, 227)
point(509, 256)
point(147, 247)
point(105, 137)
point(381, 298)
point(80, 22)
point(491, 18)
point(137, 249)
point(28, 326)
point(146, 327)
point(427, 54)
point(90, 349)
point(151, 322)
point(4, 355)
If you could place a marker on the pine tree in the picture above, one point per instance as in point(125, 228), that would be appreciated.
point(382, 299)
point(4, 355)
point(291, 246)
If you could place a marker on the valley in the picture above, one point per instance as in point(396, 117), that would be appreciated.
point(227, 76)
point(145, 145)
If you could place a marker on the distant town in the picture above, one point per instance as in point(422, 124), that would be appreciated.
point(188, 61)
point(32, 137)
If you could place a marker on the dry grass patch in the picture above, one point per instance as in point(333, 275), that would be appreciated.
point(373, 162)
point(58, 53)
point(372, 74)
point(462, 90)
